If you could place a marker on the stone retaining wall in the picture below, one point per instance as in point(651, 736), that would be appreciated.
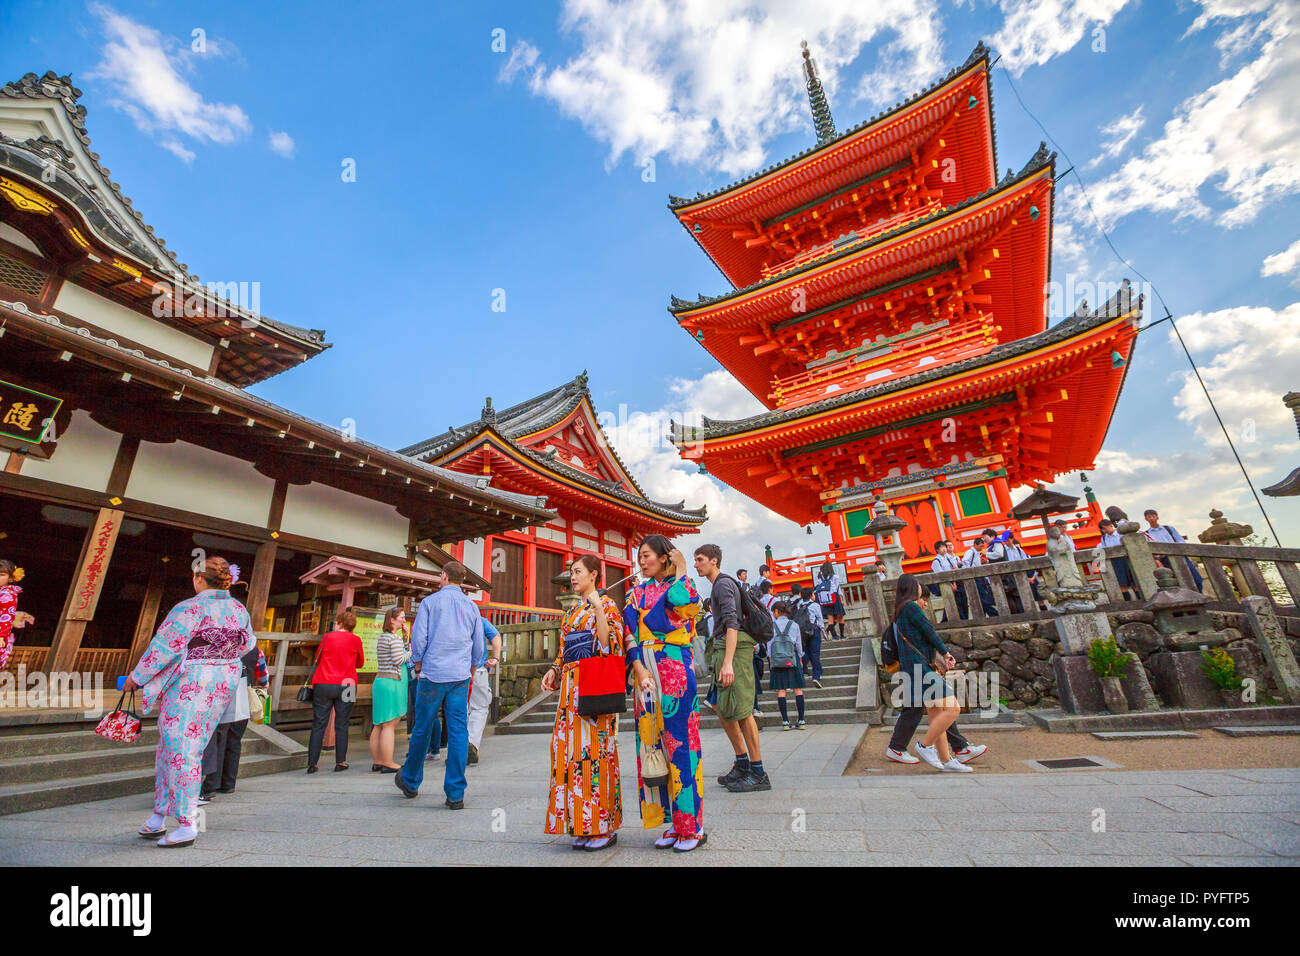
point(1021, 654)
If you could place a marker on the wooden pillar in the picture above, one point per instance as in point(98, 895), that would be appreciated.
point(84, 590)
point(259, 584)
point(14, 464)
point(144, 624)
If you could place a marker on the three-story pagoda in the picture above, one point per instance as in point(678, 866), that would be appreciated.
point(890, 310)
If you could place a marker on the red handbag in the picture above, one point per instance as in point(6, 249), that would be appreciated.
point(602, 685)
point(120, 725)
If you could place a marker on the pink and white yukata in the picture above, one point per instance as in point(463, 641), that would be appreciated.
point(8, 615)
point(189, 672)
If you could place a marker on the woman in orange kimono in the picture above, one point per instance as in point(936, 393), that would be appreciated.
point(586, 801)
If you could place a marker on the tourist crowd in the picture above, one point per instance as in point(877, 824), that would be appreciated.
point(197, 671)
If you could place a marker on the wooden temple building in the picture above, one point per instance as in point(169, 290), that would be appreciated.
point(552, 446)
point(131, 444)
point(889, 308)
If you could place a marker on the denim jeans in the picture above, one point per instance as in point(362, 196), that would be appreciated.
point(429, 697)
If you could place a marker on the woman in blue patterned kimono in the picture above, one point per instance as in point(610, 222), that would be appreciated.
point(660, 622)
point(189, 672)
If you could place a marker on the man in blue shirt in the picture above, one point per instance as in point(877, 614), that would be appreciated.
point(442, 653)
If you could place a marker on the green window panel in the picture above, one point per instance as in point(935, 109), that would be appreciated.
point(855, 521)
point(974, 501)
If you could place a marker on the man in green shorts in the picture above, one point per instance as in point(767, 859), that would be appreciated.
point(727, 645)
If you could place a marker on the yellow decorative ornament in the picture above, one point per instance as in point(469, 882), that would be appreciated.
point(22, 198)
point(18, 575)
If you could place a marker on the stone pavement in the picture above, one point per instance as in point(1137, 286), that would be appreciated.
point(812, 816)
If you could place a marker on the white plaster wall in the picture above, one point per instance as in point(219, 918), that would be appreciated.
point(18, 239)
point(121, 321)
point(193, 478)
point(83, 456)
point(319, 511)
point(474, 556)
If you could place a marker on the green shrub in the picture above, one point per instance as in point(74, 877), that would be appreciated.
point(1218, 665)
point(1107, 659)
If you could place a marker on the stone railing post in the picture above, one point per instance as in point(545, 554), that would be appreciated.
point(1138, 551)
point(1272, 641)
point(875, 601)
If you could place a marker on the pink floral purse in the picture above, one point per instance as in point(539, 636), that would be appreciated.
point(120, 725)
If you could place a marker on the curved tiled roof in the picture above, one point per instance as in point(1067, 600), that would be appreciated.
point(537, 414)
point(980, 52)
point(1122, 303)
point(478, 483)
point(37, 157)
point(847, 246)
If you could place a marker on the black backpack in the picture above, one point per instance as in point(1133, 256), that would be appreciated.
point(754, 619)
point(803, 617)
point(889, 648)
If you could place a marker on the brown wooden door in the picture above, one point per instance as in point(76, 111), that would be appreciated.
point(507, 572)
point(549, 564)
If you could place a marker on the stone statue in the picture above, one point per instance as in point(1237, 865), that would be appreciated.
point(1062, 557)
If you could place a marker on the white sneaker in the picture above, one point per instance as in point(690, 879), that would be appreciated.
point(930, 755)
point(971, 752)
point(956, 766)
point(900, 756)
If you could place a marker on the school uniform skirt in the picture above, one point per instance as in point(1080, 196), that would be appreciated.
point(786, 678)
point(834, 609)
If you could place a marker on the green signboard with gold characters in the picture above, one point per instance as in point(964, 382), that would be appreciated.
point(25, 414)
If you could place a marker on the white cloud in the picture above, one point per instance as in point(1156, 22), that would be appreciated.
point(1035, 31)
point(281, 144)
point(1241, 135)
point(153, 93)
point(711, 84)
point(1284, 263)
point(1247, 357)
point(1117, 136)
point(175, 147)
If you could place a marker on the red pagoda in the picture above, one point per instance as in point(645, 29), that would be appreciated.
point(890, 311)
point(553, 445)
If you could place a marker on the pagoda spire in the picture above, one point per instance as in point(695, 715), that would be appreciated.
point(821, 109)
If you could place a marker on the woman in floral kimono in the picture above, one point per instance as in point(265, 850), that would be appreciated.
point(586, 799)
point(10, 616)
point(660, 621)
point(189, 672)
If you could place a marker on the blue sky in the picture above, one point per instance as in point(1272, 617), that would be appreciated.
point(525, 170)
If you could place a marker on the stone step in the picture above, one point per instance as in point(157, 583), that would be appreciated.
point(1263, 730)
point(771, 718)
point(42, 795)
point(85, 763)
point(1144, 734)
point(13, 746)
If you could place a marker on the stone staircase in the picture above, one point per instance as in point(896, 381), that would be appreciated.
point(53, 758)
point(834, 703)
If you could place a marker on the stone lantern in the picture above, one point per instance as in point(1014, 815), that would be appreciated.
point(1181, 616)
point(1223, 531)
point(882, 527)
point(563, 595)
